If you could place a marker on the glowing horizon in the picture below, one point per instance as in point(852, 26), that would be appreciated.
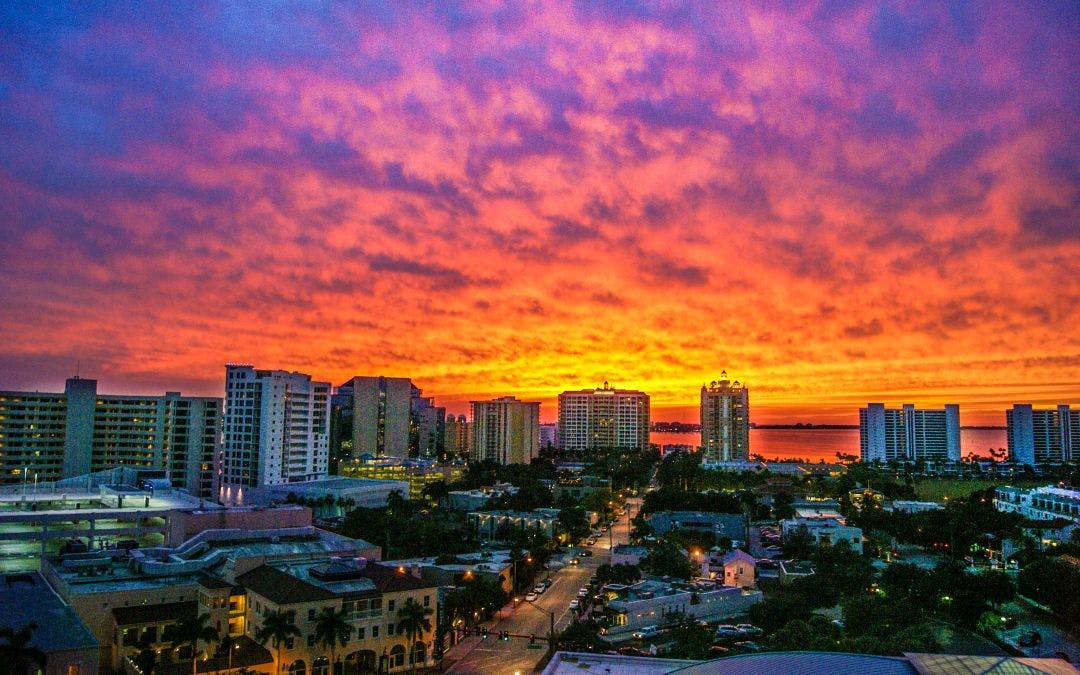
point(837, 203)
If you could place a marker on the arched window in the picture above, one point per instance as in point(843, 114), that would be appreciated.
point(320, 666)
point(397, 656)
point(298, 668)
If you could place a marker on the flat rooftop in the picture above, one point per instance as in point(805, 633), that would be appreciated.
point(26, 597)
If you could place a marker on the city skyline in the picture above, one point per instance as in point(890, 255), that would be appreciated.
point(838, 203)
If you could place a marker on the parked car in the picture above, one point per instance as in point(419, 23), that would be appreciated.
point(585, 554)
point(632, 651)
point(590, 541)
point(728, 632)
point(749, 629)
point(647, 632)
point(531, 597)
point(747, 646)
point(574, 604)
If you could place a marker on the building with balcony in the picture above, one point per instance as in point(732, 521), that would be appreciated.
point(1043, 503)
point(277, 429)
point(605, 417)
point(52, 436)
point(825, 530)
point(416, 472)
point(1042, 436)
point(505, 430)
point(725, 421)
point(492, 525)
point(909, 433)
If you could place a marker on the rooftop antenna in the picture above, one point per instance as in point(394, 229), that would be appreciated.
point(78, 365)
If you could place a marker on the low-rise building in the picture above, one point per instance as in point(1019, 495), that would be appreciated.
point(490, 525)
point(345, 493)
point(578, 487)
point(456, 569)
point(416, 472)
point(909, 506)
point(373, 598)
point(736, 568)
point(626, 554)
point(653, 602)
point(471, 500)
point(789, 570)
point(730, 525)
point(1041, 503)
point(829, 531)
point(58, 633)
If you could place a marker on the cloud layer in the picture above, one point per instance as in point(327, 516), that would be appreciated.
point(836, 202)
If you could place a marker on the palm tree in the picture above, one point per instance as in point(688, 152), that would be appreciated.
point(16, 652)
point(413, 621)
point(331, 630)
point(277, 626)
point(192, 631)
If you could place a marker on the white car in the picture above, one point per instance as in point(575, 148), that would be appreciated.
point(574, 604)
point(647, 632)
point(531, 597)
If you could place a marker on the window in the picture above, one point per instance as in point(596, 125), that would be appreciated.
point(289, 642)
point(374, 631)
point(311, 615)
point(73, 669)
point(360, 633)
point(390, 605)
point(311, 640)
point(389, 629)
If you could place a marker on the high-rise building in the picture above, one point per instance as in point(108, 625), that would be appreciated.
point(381, 413)
point(505, 430)
point(1041, 436)
point(458, 433)
point(725, 420)
point(603, 418)
point(49, 436)
point(909, 433)
point(426, 426)
point(277, 428)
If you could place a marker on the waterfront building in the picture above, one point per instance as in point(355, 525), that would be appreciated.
point(1042, 436)
point(51, 436)
point(606, 417)
point(725, 421)
point(505, 430)
point(909, 433)
point(277, 428)
point(1042, 503)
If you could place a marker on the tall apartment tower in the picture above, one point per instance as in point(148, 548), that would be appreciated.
point(1042, 436)
point(603, 418)
point(277, 428)
point(725, 420)
point(49, 436)
point(381, 412)
point(909, 433)
point(506, 430)
point(458, 436)
point(427, 426)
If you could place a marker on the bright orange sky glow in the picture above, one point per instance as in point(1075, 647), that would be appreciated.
point(837, 204)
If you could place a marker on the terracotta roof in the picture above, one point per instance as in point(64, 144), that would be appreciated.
point(140, 614)
point(389, 579)
point(282, 588)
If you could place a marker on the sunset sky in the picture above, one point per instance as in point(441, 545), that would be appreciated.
point(835, 202)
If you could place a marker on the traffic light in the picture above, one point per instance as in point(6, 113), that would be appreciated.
point(532, 638)
point(484, 632)
point(505, 635)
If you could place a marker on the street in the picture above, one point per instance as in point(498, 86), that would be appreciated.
point(491, 655)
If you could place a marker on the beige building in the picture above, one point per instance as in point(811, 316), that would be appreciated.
point(725, 421)
point(505, 430)
point(51, 436)
point(606, 417)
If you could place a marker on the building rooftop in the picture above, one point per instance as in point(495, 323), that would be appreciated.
point(308, 581)
point(26, 598)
